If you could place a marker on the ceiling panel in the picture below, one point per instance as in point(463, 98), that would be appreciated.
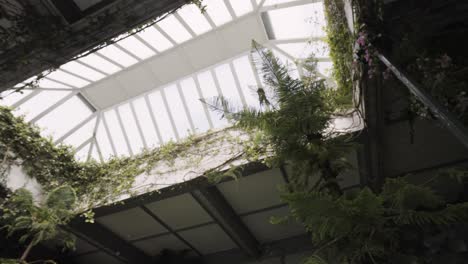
point(132, 224)
point(239, 35)
point(170, 66)
point(208, 239)
point(264, 231)
point(254, 192)
point(99, 257)
point(180, 211)
point(154, 246)
point(105, 93)
point(136, 81)
point(209, 42)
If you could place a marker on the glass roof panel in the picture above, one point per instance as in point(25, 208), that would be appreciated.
point(192, 15)
point(247, 81)
point(101, 64)
point(95, 154)
point(117, 55)
point(174, 29)
point(275, 2)
point(40, 102)
point(116, 133)
point(82, 134)
point(67, 78)
point(325, 67)
point(209, 92)
point(303, 50)
point(82, 154)
point(241, 7)
point(136, 47)
point(103, 141)
point(302, 21)
point(195, 106)
point(153, 37)
point(218, 11)
point(82, 70)
point(64, 117)
point(228, 85)
point(146, 123)
point(49, 84)
point(162, 117)
point(8, 98)
point(177, 110)
point(131, 128)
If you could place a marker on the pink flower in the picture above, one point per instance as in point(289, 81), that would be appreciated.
point(361, 39)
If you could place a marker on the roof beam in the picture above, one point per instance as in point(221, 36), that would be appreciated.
point(108, 241)
point(211, 199)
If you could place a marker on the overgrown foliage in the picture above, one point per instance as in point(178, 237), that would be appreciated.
point(37, 223)
point(341, 41)
point(294, 118)
point(395, 226)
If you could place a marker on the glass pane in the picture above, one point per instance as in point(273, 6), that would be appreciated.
point(46, 83)
point(103, 142)
point(9, 98)
point(275, 2)
point(209, 92)
point(162, 117)
point(95, 154)
point(40, 102)
point(298, 21)
point(192, 15)
point(100, 64)
point(228, 85)
point(247, 81)
point(116, 133)
point(80, 69)
point(136, 47)
point(69, 79)
point(82, 154)
point(218, 11)
point(174, 29)
point(325, 68)
point(177, 110)
point(157, 40)
point(195, 106)
point(146, 123)
point(64, 117)
point(117, 55)
point(318, 49)
point(131, 128)
point(82, 134)
point(241, 7)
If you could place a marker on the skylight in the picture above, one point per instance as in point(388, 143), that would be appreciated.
point(136, 47)
point(68, 79)
point(241, 7)
point(157, 40)
point(157, 99)
point(58, 122)
point(100, 63)
point(217, 11)
point(131, 128)
point(116, 134)
point(118, 56)
point(302, 21)
point(194, 19)
point(174, 29)
point(82, 70)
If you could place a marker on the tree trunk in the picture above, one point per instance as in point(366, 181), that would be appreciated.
point(26, 252)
